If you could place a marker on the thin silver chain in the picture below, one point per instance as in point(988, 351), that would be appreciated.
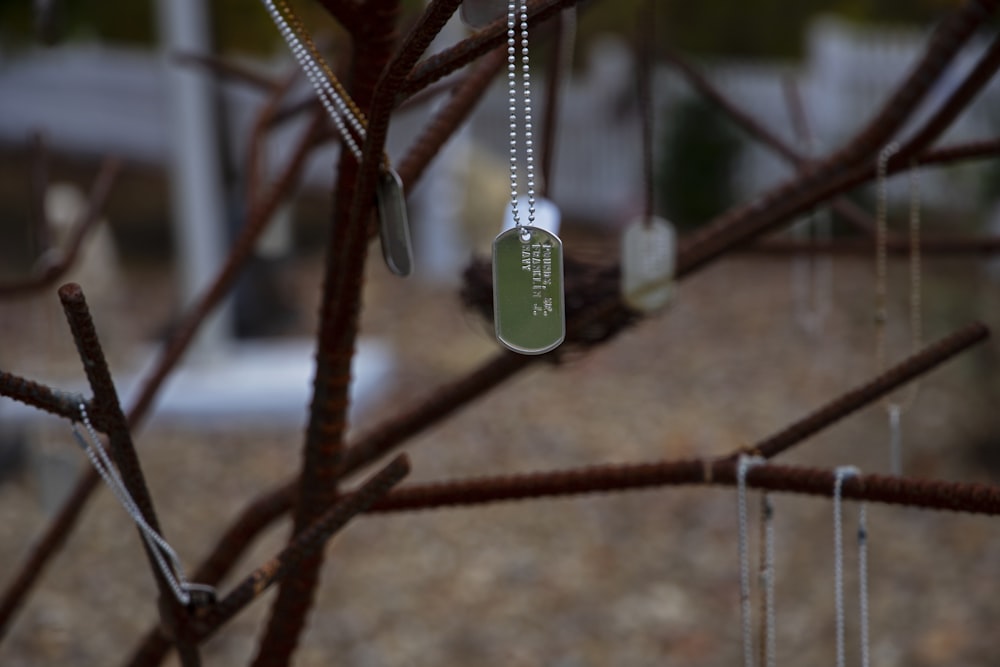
point(863, 582)
point(840, 474)
point(517, 38)
point(744, 465)
point(336, 107)
point(173, 572)
point(771, 636)
point(895, 407)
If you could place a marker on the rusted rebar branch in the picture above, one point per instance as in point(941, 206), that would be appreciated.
point(58, 529)
point(897, 376)
point(972, 150)
point(258, 135)
point(553, 94)
point(48, 274)
point(441, 64)
point(107, 409)
point(338, 328)
point(958, 101)
point(37, 395)
point(234, 541)
point(926, 494)
point(304, 544)
point(448, 118)
point(445, 401)
point(383, 101)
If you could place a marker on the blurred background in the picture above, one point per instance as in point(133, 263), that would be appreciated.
point(642, 579)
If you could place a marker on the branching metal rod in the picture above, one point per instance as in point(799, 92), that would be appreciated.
point(37, 395)
point(107, 409)
point(448, 118)
point(305, 543)
point(926, 494)
point(59, 528)
point(343, 281)
point(482, 42)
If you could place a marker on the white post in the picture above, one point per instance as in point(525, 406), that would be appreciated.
point(198, 208)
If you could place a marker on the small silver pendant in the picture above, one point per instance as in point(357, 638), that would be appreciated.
point(393, 226)
point(528, 302)
point(649, 252)
point(479, 13)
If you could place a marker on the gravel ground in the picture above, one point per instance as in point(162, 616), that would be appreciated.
point(647, 578)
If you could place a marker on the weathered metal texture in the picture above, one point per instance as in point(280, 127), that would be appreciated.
point(974, 498)
point(397, 79)
point(107, 409)
point(338, 328)
point(305, 543)
point(58, 529)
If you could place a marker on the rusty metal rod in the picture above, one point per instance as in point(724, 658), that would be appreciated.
point(343, 281)
point(907, 370)
point(60, 526)
point(968, 497)
point(448, 118)
point(107, 408)
point(37, 395)
point(305, 543)
point(483, 41)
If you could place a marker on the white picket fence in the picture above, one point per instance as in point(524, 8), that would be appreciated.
point(846, 75)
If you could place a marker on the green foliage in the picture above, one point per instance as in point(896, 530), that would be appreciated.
point(695, 179)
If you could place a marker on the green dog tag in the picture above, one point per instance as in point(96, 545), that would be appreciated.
point(528, 309)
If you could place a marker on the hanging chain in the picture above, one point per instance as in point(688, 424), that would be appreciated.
point(743, 466)
point(881, 266)
point(881, 269)
point(863, 583)
point(347, 117)
point(895, 407)
point(840, 474)
point(172, 571)
point(517, 39)
point(768, 643)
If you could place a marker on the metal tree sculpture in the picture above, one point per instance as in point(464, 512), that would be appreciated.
point(386, 71)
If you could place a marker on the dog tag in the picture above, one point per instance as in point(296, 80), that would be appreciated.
point(649, 252)
point(393, 226)
point(528, 310)
point(479, 13)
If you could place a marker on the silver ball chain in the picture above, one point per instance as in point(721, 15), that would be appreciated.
point(166, 558)
point(517, 35)
point(336, 107)
point(743, 467)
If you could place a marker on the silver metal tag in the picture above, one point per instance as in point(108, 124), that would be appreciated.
point(649, 253)
point(528, 303)
point(479, 13)
point(393, 226)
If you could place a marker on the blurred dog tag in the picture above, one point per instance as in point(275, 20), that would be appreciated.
point(649, 252)
point(479, 13)
point(528, 309)
point(394, 229)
